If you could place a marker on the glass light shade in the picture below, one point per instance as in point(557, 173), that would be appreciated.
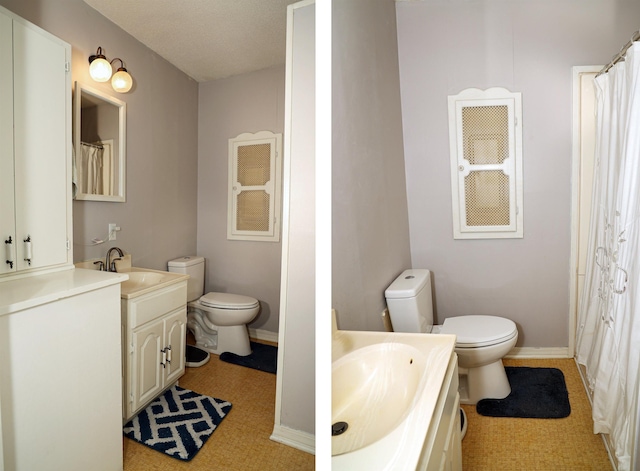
point(122, 81)
point(100, 70)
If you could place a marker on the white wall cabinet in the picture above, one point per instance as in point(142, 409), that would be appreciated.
point(255, 172)
point(154, 342)
point(485, 139)
point(35, 148)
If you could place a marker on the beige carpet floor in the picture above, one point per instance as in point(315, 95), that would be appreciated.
point(537, 444)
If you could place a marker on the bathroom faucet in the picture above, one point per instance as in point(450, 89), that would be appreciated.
point(111, 264)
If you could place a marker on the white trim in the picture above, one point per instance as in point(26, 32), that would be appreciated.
point(544, 352)
point(295, 438)
point(260, 334)
point(286, 194)
point(575, 200)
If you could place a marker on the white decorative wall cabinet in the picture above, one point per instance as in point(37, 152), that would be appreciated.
point(485, 138)
point(255, 168)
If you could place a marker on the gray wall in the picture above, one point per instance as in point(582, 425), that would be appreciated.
point(370, 241)
point(528, 47)
point(158, 220)
point(227, 107)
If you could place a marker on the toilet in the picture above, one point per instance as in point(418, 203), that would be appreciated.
point(218, 321)
point(481, 341)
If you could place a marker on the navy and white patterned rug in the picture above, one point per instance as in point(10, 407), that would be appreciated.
point(178, 423)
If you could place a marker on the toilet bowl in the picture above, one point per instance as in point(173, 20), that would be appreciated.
point(481, 341)
point(217, 320)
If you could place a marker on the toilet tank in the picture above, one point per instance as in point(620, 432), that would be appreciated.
point(194, 267)
point(409, 301)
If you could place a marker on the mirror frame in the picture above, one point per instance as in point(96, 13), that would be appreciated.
point(81, 89)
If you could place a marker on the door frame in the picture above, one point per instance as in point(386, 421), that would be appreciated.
point(577, 152)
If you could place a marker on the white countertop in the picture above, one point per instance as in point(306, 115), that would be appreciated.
point(24, 293)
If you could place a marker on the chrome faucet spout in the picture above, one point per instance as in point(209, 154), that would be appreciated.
point(111, 264)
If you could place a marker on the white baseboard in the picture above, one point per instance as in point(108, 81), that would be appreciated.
point(295, 438)
point(533, 352)
point(263, 335)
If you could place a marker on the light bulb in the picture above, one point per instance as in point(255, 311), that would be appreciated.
point(122, 81)
point(100, 70)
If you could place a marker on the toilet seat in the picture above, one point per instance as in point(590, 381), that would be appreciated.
point(479, 331)
point(228, 301)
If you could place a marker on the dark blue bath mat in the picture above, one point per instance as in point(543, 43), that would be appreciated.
point(178, 423)
point(536, 393)
point(263, 357)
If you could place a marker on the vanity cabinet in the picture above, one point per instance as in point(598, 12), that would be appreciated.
point(35, 148)
point(154, 327)
point(60, 372)
point(442, 450)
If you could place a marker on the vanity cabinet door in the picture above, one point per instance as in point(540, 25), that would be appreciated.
point(157, 357)
point(146, 374)
point(176, 332)
point(35, 148)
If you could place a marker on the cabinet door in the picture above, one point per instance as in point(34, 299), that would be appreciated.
point(7, 209)
point(176, 331)
point(147, 372)
point(41, 139)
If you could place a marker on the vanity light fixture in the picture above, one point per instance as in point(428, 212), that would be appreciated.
point(121, 81)
point(101, 69)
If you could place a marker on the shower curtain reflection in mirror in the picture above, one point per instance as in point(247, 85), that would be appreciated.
point(96, 168)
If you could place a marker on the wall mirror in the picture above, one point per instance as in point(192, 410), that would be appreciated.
point(99, 145)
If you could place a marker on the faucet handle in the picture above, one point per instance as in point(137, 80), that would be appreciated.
point(113, 264)
point(100, 264)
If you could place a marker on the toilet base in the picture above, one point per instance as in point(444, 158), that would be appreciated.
point(218, 339)
point(483, 382)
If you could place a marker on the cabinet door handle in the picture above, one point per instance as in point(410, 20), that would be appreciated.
point(8, 243)
point(164, 358)
point(168, 349)
point(27, 249)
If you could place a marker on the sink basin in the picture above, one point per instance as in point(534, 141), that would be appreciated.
point(373, 390)
point(142, 281)
point(385, 386)
point(142, 278)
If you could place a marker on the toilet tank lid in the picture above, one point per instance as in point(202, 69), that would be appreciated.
point(186, 261)
point(408, 284)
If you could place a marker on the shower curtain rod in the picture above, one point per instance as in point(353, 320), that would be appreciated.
point(620, 55)
point(92, 145)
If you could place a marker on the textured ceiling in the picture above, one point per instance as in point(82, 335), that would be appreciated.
point(206, 39)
